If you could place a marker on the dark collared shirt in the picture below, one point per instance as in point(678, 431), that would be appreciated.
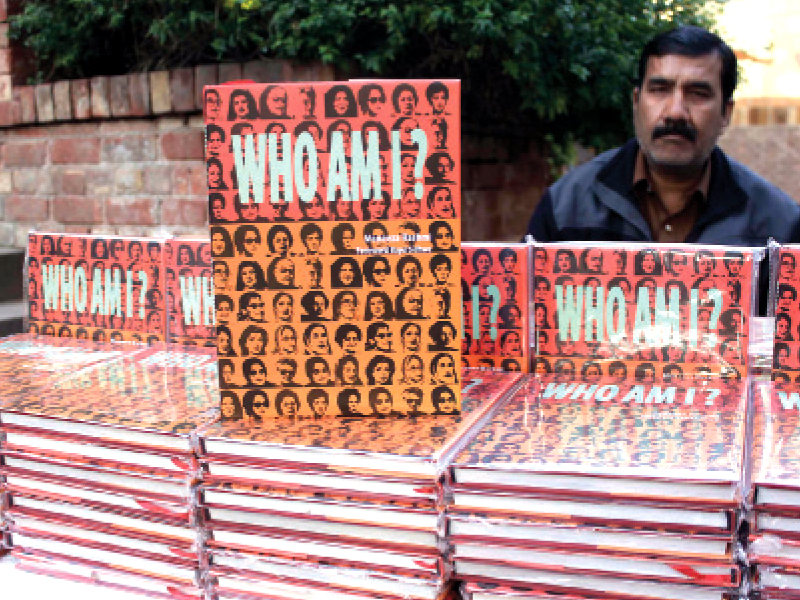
point(665, 227)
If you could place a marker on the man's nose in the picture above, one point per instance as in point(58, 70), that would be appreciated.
point(677, 108)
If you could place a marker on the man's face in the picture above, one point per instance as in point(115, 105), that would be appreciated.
point(679, 112)
point(446, 371)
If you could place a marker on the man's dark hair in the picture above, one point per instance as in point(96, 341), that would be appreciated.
point(693, 42)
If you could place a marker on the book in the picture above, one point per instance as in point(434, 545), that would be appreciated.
point(96, 287)
point(496, 282)
point(189, 292)
point(334, 226)
point(775, 452)
point(784, 307)
point(31, 364)
point(661, 444)
point(339, 452)
point(145, 402)
point(647, 313)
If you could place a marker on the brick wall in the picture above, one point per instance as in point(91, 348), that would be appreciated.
point(765, 135)
point(124, 155)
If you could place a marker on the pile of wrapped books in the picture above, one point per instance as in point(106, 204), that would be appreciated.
point(336, 508)
point(774, 549)
point(100, 468)
point(603, 490)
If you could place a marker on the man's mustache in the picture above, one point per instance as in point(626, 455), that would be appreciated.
point(681, 128)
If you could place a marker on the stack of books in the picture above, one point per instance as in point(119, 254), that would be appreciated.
point(774, 549)
point(344, 508)
point(101, 473)
point(32, 364)
point(603, 490)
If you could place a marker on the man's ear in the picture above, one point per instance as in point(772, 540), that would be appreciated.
point(727, 113)
point(635, 96)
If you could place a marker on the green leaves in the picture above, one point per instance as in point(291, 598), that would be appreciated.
point(547, 69)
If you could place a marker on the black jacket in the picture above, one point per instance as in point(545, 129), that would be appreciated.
point(596, 202)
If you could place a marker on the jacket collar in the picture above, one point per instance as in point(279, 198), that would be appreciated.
point(614, 187)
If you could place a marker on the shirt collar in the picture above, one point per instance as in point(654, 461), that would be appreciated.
point(642, 183)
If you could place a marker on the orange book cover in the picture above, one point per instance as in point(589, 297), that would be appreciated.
point(495, 290)
point(189, 292)
point(335, 225)
point(650, 314)
point(96, 287)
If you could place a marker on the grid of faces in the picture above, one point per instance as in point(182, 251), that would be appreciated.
point(72, 282)
point(189, 287)
point(494, 288)
point(641, 334)
point(786, 357)
point(337, 305)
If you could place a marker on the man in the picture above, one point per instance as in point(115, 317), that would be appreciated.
point(672, 184)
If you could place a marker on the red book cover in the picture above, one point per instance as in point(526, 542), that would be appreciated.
point(785, 307)
point(776, 441)
point(190, 292)
point(495, 290)
point(616, 434)
point(96, 287)
point(626, 310)
point(335, 225)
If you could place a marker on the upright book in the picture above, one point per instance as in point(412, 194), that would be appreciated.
point(189, 292)
point(335, 226)
point(96, 287)
point(647, 313)
point(495, 288)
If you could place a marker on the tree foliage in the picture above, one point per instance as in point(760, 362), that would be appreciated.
point(546, 69)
